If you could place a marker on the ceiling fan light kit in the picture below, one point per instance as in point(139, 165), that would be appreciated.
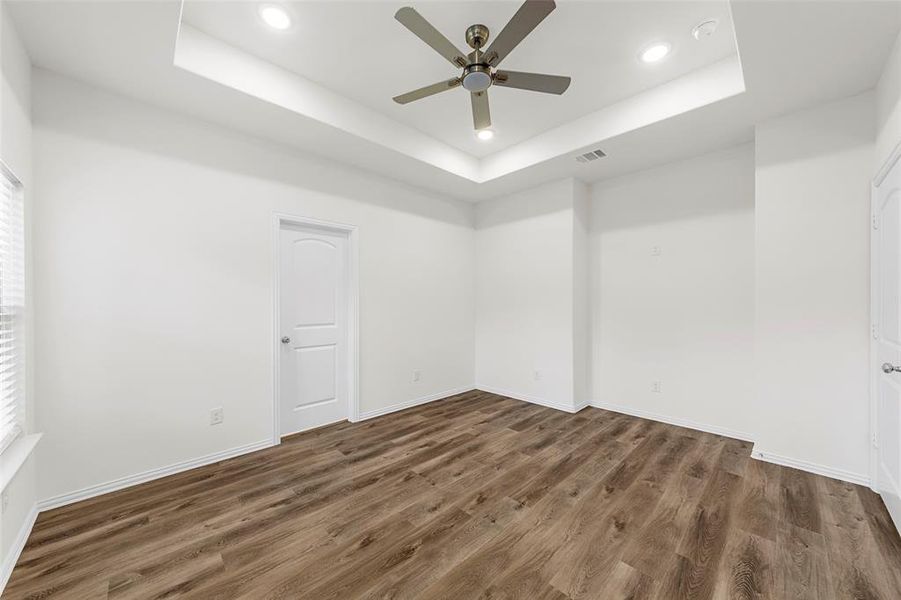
point(480, 67)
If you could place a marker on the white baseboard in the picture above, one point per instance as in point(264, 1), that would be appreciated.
point(12, 557)
point(763, 455)
point(378, 412)
point(124, 482)
point(532, 399)
point(810, 467)
point(582, 404)
point(677, 421)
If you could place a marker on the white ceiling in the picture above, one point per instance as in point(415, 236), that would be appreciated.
point(360, 51)
point(793, 54)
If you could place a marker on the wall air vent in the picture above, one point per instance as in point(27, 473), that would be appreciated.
point(590, 156)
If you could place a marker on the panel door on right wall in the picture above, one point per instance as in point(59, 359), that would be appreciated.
point(887, 330)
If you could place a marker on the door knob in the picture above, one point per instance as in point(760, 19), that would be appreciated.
point(890, 368)
point(286, 340)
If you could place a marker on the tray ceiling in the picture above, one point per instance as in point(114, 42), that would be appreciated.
point(359, 51)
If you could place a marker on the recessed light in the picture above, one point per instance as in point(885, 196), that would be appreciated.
point(485, 134)
point(655, 52)
point(704, 30)
point(275, 16)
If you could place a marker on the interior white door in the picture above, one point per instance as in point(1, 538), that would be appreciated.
point(887, 337)
point(313, 304)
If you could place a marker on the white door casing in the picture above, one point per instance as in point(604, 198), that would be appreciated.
point(315, 376)
point(886, 339)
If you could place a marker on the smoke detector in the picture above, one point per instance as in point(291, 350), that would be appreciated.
point(704, 30)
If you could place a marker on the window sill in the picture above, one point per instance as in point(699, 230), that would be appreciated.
point(12, 459)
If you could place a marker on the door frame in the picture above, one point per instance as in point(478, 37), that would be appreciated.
point(875, 283)
point(279, 220)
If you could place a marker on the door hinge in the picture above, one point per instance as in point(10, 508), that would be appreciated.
point(874, 329)
point(875, 222)
point(875, 441)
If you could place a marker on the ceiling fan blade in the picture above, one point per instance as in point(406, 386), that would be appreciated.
point(536, 82)
point(429, 90)
point(424, 30)
point(481, 116)
point(527, 18)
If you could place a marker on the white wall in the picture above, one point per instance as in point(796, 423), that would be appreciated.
point(15, 151)
point(524, 294)
point(154, 274)
point(684, 317)
point(888, 106)
point(814, 169)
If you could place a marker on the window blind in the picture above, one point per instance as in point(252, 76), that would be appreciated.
point(12, 308)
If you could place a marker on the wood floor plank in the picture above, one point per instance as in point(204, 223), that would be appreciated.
point(883, 531)
point(696, 568)
point(858, 570)
point(759, 500)
point(803, 571)
point(631, 515)
point(799, 500)
point(481, 570)
point(475, 496)
point(747, 571)
point(599, 519)
point(653, 548)
point(626, 583)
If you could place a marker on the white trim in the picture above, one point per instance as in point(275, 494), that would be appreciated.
point(810, 467)
point(532, 399)
point(873, 379)
point(312, 427)
point(883, 171)
point(12, 557)
point(677, 421)
point(765, 456)
point(378, 412)
point(130, 480)
point(353, 312)
point(13, 457)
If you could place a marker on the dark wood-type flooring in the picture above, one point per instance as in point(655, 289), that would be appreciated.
point(477, 496)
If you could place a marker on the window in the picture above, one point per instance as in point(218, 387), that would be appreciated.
point(12, 308)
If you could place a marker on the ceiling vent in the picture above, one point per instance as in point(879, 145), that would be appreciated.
point(590, 156)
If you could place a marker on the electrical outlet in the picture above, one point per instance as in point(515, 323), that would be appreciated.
point(536, 375)
point(417, 375)
point(217, 415)
point(655, 387)
point(4, 501)
point(656, 251)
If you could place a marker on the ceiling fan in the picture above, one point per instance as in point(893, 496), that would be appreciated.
point(479, 66)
